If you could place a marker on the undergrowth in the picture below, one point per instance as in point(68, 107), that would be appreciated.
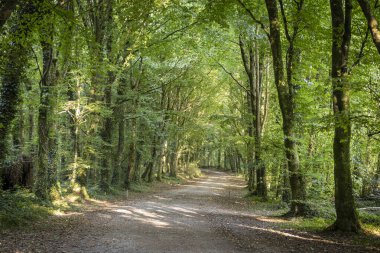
point(20, 207)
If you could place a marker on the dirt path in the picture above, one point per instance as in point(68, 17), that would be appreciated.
point(206, 216)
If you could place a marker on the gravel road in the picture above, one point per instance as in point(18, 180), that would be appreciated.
point(208, 215)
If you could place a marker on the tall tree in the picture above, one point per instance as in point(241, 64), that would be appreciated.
point(341, 15)
point(46, 170)
point(253, 65)
point(285, 92)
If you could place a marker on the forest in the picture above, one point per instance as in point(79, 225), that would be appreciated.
point(107, 98)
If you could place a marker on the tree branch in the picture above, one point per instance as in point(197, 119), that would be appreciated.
point(233, 77)
point(361, 51)
point(287, 34)
point(244, 56)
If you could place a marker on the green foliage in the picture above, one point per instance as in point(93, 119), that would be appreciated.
point(21, 208)
point(192, 170)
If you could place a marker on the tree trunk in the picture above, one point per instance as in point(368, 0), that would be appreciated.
point(46, 169)
point(174, 158)
point(131, 161)
point(287, 110)
point(250, 150)
point(372, 22)
point(253, 66)
point(119, 115)
point(285, 192)
point(259, 163)
point(137, 174)
point(347, 219)
point(134, 85)
point(248, 63)
point(106, 134)
point(219, 159)
point(148, 173)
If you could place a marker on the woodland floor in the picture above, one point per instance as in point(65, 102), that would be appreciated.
point(206, 215)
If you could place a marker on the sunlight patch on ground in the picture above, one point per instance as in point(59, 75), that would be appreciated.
point(156, 214)
point(124, 211)
point(372, 230)
point(103, 215)
point(60, 213)
point(145, 213)
point(213, 183)
point(180, 209)
point(161, 198)
point(270, 219)
point(376, 232)
point(286, 234)
point(206, 187)
point(237, 186)
point(154, 222)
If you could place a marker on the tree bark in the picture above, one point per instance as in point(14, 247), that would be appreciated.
point(250, 149)
point(347, 219)
point(46, 170)
point(174, 158)
point(148, 173)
